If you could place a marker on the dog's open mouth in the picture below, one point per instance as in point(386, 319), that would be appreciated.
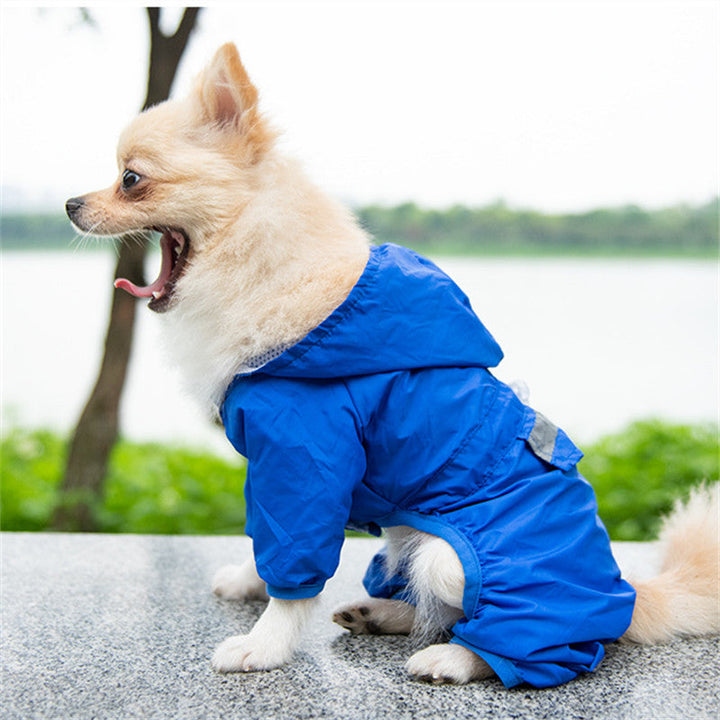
point(174, 246)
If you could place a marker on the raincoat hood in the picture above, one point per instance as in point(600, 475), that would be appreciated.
point(406, 314)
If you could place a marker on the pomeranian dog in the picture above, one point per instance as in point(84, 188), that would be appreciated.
point(356, 380)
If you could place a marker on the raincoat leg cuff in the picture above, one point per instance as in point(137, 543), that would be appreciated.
point(501, 666)
point(298, 593)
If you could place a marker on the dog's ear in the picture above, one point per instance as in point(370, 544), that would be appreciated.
point(228, 99)
point(226, 91)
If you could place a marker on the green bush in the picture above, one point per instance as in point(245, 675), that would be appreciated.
point(153, 488)
point(30, 466)
point(638, 473)
point(150, 488)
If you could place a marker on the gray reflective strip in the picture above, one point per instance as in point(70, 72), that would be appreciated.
point(542, 438)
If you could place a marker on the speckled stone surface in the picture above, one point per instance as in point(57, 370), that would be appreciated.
point(101, 626)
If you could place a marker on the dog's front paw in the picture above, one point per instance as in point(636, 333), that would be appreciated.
point(239, 582)
point(244, 653)
point(448, 663)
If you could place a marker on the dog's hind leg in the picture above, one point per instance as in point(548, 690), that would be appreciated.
point(376, 616)
point(438, 582)
point(448, 663)
point(436, 572)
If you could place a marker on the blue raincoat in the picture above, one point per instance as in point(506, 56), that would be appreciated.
point(386, 414)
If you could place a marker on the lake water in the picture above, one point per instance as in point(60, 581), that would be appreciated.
point(598, 342)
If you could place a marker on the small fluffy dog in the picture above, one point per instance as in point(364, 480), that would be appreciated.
point(356, 380)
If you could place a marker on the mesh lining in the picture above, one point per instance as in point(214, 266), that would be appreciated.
point(257, 361)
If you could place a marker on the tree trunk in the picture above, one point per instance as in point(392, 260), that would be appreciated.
point(97, 428)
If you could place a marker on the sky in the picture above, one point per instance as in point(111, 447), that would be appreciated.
point(556, 106)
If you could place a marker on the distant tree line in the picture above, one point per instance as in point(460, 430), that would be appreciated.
point(30, 231)
point(493, 229)
point(499, 229)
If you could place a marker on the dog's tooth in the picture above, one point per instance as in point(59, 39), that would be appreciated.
point(158, 294)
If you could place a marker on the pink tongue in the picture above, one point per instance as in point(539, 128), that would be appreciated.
point(166, 245)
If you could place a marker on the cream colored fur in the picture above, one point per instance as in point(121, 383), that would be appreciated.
point(437, 580)
point(276, 275)
point(239, 582)
point(272, 640)
point(684, 599)
point(270, 257)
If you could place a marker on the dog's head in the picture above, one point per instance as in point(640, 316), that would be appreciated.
point(187, 169)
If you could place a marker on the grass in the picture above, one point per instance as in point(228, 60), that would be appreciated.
point(154, 488)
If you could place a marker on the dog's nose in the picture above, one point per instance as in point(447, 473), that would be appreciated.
point(72, 206)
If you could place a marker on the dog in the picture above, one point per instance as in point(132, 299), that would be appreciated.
point(357, 380)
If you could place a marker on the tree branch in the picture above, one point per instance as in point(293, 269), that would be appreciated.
point(153, 18)
point(187, 24)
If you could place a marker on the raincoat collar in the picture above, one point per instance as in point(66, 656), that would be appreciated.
point(403, 313)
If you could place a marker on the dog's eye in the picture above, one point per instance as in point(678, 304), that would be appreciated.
point(129, 179)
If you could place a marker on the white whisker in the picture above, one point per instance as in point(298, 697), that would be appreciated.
point(83, 240)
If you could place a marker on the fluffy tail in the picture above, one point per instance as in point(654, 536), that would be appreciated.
point(685, 598)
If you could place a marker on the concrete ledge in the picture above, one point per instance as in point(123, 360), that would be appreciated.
point(108, 626)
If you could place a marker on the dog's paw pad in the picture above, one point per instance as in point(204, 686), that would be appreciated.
point(448, 663)
point(376, 616)
point(243, 653)
point(357, 619)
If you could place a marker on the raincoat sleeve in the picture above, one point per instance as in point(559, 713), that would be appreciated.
point(305, 457)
